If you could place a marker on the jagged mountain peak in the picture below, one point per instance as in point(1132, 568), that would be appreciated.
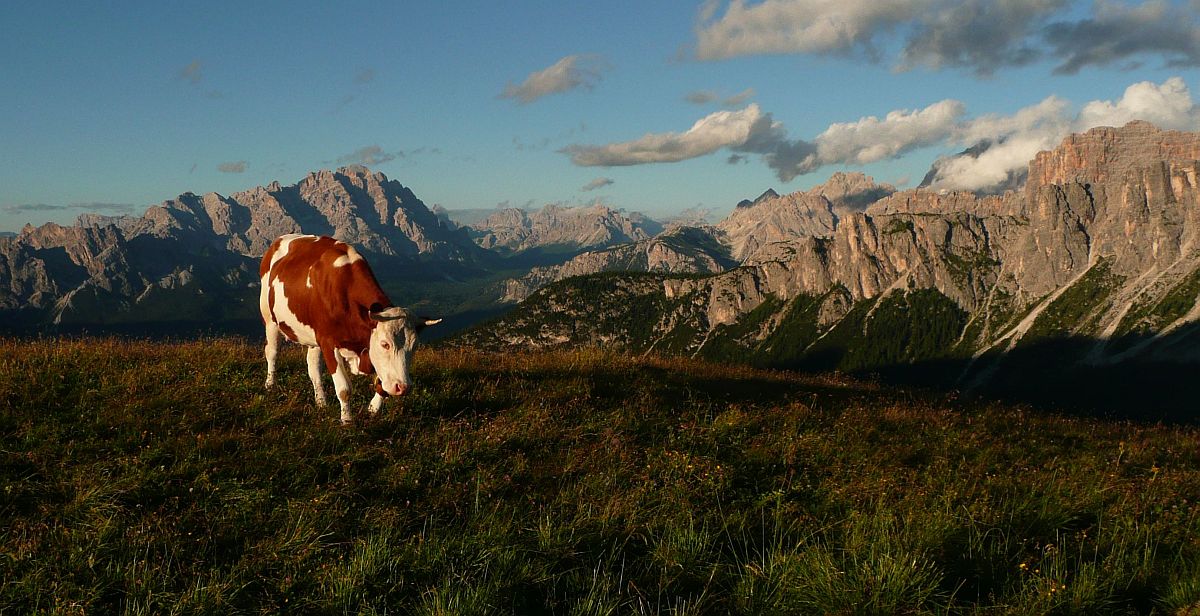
point(806, 213)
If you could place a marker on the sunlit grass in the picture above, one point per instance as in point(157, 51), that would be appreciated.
point(161, 479)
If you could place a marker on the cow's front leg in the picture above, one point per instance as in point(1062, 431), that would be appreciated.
point(314, 374)
point(375, 405)
point(341, 385)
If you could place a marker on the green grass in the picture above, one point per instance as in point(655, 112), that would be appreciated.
point(160, 479)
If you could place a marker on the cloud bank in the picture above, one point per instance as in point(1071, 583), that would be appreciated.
point(980, 36)
point(1015, 139)
point(752, 131)
point(999, 144)
point(569, 73)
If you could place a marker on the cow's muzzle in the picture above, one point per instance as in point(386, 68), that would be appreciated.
point(397, 389)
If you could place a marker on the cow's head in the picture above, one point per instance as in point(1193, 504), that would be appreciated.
point(392, 342)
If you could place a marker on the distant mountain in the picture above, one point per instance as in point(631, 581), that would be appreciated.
point(681, 250)
point(705, 249)
point(196, 257)
point(563, 229)
point(1096, 261)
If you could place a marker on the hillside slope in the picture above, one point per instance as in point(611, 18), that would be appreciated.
point(160, 478)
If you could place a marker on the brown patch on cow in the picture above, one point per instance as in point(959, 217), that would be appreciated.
point(287, 331)
point(337, 306)
point(379, 388)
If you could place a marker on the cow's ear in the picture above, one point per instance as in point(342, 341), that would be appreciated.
point(423, 322)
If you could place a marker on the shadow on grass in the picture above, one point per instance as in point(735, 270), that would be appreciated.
point(1079, 376)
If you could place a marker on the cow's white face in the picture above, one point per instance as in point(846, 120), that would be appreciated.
point(392, 342)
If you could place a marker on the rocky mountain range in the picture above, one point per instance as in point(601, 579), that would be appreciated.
point(195, 257)
point(1098, 248)
point(557, 228)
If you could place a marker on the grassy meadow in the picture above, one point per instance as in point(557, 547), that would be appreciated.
point(160, 478)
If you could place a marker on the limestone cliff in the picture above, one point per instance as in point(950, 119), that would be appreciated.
point(1100, 246)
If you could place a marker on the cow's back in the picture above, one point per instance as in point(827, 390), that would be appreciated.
point(317, 288)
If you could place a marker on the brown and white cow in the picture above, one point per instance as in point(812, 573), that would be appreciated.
point(321, 293)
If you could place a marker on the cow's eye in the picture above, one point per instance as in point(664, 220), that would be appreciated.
point(385, 344)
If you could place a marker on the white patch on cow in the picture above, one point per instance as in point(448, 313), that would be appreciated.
point(284, 315)
point(351, 358)
point(350, 257)
point(285, 242)
point(308, 280)
point(264, 303)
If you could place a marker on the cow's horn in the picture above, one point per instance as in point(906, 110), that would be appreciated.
point(428, 321)
point(390, 314)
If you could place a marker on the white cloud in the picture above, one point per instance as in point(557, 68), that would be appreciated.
point(998, 146)
point(721, 129)
point(800, 26)
point(1168, 106)
point(576, 71)
point(871, 139)
point(236, 166)
point(1017, 138)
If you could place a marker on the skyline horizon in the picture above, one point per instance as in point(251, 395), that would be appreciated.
point(658, 109)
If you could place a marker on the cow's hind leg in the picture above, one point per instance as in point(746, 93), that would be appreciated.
point(314, 374)
point(341, 385)
point(271, 351)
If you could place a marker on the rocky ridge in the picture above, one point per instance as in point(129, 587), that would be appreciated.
point(1100, 245)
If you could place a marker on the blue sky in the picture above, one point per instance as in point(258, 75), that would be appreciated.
point(114, 107)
